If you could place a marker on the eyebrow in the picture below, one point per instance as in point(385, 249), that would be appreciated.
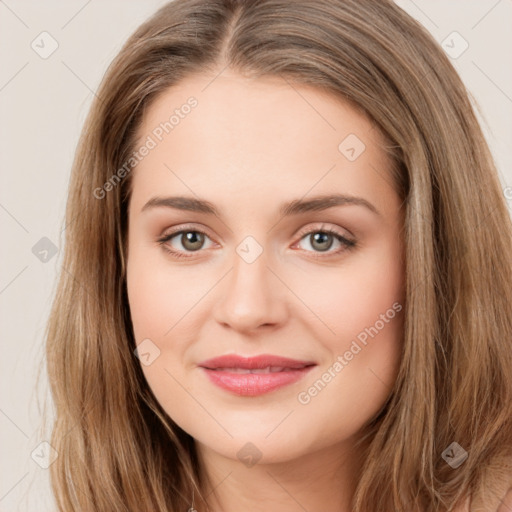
point(295, 207)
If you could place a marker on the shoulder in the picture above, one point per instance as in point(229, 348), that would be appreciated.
point(496, 502)
point(494, 493)
point(506, 502)
point(493, 502)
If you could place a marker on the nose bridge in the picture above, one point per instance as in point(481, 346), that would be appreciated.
point(252, 295)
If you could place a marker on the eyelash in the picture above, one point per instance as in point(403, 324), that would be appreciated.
point(347, 244)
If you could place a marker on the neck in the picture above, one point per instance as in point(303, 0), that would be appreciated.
point(323, 480)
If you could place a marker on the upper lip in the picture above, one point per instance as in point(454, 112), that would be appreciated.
point(254, 362)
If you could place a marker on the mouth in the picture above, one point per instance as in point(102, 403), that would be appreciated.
point(252, 376)
point(268, 369)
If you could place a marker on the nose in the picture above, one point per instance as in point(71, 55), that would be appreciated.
point(252, 296)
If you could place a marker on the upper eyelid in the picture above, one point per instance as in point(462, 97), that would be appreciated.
point(302, 232)
point(325, 227)
point(182, 229)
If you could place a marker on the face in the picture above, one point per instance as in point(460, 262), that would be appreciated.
point(255, 262)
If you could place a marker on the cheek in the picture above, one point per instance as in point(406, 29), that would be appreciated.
point(365, 292)
point(362, 358)
point(165, 304)
point(158, 297)
point(363, 305)
point(159, 301)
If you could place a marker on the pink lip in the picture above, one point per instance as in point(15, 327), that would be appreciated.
point(222, 371)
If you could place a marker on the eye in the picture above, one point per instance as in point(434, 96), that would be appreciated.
point(190, 240)
point(322, 240)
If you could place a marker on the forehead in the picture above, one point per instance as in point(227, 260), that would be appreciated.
point(263, 134)
point(234, 101)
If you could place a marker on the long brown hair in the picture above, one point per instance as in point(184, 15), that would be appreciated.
point(118, 449)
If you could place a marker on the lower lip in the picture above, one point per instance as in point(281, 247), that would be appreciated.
point(254, 384)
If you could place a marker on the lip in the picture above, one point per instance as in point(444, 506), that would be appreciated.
point(233, 372)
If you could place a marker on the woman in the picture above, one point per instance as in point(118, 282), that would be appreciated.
point(202, 350)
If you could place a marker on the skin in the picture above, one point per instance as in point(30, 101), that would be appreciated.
point(249, 146)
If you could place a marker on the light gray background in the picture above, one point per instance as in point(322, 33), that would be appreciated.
point(43, 103)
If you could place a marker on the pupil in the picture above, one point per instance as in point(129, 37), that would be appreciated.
point(321, 238)
point(193, 240)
